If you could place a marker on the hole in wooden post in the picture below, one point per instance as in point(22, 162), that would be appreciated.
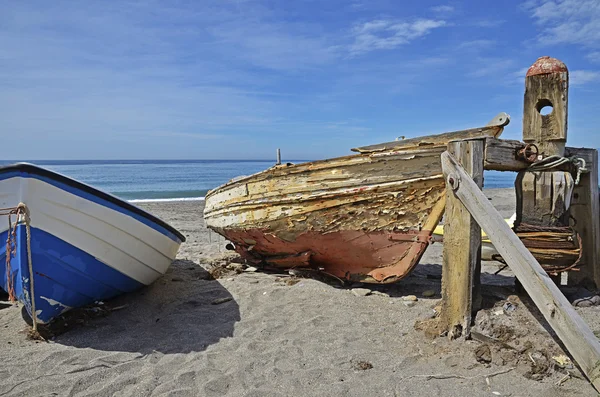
point(544, 107)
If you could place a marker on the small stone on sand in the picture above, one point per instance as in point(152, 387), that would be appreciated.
point(221, 300)
point(379, 293)
point(236, 267)
point(250, 269)
point(412, 298)
point(361, 291)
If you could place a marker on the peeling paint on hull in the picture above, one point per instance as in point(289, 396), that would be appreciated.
point(351, 255)
point(364, 217)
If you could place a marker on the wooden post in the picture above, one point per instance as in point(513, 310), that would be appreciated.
point(585, 209)
point(546, 85)
point(576, 335)
point(543, 197)
point(461, 266)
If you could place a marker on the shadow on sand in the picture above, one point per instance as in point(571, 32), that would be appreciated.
point(428, 277)
point(183, 311)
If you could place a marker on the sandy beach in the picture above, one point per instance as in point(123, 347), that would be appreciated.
point(258, 334)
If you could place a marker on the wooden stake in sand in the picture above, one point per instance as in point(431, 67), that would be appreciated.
point(557, 310)
point(461, 265)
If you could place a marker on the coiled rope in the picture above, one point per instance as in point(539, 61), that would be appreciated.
point(20, 211)
point(556, 161)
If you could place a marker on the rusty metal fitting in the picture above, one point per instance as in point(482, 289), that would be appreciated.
point(528, 153)
point(546, 65)
point(454, 181)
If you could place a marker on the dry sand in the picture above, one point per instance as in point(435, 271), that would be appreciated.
point(254, 334)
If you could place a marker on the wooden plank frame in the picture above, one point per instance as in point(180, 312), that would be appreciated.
point(556, 309)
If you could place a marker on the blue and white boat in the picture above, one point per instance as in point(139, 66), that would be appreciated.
point(85, 245)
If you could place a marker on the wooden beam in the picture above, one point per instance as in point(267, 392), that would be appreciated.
point(461, 267)
point(585, 209)
point(543, 198)
point(501, 155)
point(556, 309)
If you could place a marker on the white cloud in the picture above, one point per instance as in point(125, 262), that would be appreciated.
point(566, 21)
point(594, 56)
point(583, 77)
point(385, 34)
point(443, 9)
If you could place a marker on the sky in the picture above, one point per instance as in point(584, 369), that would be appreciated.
point(237, 79)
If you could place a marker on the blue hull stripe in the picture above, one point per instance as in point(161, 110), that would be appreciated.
point(64, 274)
point(92, 198)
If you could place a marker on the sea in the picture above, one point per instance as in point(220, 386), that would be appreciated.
point(178, 180)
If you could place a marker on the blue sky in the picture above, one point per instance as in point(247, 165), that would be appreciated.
point(237, 79)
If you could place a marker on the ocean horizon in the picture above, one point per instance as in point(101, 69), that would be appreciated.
point(178, 180)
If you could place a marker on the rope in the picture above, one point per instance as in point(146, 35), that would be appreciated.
point(555, 161)
point(552, 237)
point(11, 249)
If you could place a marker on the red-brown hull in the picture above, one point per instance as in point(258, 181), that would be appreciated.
point(380, 257)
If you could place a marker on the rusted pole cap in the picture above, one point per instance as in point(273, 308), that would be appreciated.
point(547, 65)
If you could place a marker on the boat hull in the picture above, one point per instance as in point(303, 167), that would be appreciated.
point(86, 246)
point(359, 220)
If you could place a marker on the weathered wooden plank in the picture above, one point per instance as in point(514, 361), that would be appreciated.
point(493, 129)
point(461, 266)
point(585, 209)
point(556, 309)
point(500, 155)
point(543, 198)
point(546, 85)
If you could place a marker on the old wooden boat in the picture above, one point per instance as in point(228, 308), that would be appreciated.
point(366, 217)
point(69, 244)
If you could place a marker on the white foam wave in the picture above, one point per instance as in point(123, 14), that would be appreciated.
point(164, 200)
